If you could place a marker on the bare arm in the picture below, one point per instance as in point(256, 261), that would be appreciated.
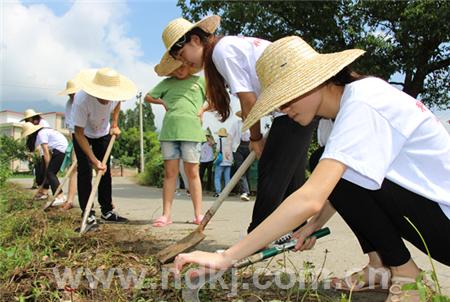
point(46, 154)
point(298, 207)
point(248, 100)
point(84, 145)
point(150, 99)
point(115, 130)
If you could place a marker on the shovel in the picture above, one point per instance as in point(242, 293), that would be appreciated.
point(98, 177)
point(191, 294)
point(197, 235)
point(49, 203)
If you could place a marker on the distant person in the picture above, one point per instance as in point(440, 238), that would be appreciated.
point(223, 162)
point(241, 150)
point(98, 101)
point(182, 95)
point(53, 145)
point(207, 160)
point(71, 89)
point(39, 169)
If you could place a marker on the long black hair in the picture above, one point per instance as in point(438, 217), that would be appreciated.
point(31, 141)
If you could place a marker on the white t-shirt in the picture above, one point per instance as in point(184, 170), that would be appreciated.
point(44, 123)
point(68, 117)
point(381, 132)
point(90, 114)
point(237, 134)
point(207, 153)
point(227, 152)
point(235, 59)
point(51, 137)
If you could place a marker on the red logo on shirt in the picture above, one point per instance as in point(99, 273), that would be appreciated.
point(421, 106)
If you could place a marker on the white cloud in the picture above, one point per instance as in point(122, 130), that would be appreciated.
point(41, 51)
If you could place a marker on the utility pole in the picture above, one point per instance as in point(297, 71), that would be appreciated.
point(141, 130)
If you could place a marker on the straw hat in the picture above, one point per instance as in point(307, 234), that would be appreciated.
point(71, 87)
point(29, 128)
point(222, 132)
point(179, 27)
point(29, 113)
point(289, 68)
point(106, 84)
point(167, 65)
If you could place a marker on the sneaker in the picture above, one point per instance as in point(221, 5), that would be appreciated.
point(216, 195)
point(41, 196)
point(59, 201)
point(91, 224)
point(283, 239)
point(112, 217)
point(244, 197)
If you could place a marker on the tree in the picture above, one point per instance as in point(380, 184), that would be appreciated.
point(130, 118)
point(10, 150)
point(406, 37)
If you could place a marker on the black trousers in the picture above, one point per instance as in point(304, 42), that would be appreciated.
point(99, 146)
point(281, 168)
point(39, 171)
point(239, 157)
point(208, 168)
point(377, 218)
point(52, 170)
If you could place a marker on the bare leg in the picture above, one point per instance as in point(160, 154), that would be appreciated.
point(170, 182)
point(195, 186)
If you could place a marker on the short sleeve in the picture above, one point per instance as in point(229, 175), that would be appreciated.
point(42, 137)
point(234, 72)
point(159, 90)
point(80, 114)
point(365, 142)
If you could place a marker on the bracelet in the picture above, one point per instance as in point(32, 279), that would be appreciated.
point(256, 139)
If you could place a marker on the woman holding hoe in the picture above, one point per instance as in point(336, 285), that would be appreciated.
point(386, 158)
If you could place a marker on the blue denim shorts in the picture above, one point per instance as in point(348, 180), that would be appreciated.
point(189, 152)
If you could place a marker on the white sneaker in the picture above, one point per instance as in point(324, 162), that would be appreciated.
point(59, 201)
point(245, 197)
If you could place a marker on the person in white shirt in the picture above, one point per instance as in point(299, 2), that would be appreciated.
point(387, 159)
point(71, 89)
point(230, 62)
point(101, 92)
point(39, 168)
point(53, 145)
point(241, 150)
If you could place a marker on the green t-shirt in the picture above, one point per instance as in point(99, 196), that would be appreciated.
point(183, 99)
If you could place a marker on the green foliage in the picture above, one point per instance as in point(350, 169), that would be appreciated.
point(407, 37)
point(154, 166)
point(10, 149)
point(130, 118)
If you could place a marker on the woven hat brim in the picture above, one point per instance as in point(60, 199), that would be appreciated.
point(69, 91)
point(31, 130)
point(125, 91)
point(302, 79)
point(167, 65)
point(208, 24)
point(31, 115)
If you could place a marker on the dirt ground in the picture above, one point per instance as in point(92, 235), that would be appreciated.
point(141, 204)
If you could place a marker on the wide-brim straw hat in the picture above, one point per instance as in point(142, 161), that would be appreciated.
point(222, 132)
point(179, 27)
point(106, 84)
point(29, 128)
point(29, 113)
point(71, 87)
point(167, 65)
point(289, 68)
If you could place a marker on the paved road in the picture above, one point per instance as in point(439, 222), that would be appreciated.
point(141, 204)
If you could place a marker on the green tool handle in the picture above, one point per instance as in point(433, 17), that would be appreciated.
point(273, 251)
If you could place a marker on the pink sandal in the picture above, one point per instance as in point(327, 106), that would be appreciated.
point(161, 222)
point(198, 220)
